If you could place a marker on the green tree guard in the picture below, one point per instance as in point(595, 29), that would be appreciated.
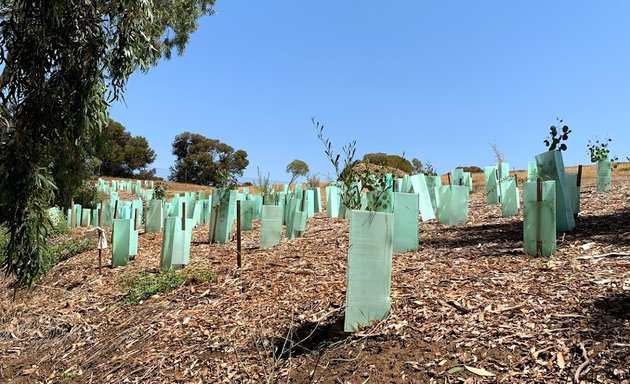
point(539, 218)
point(107, 214)
point(86, 216)
point(309, 207)
point(136, 206)
point(247, 215)
point(333, 201)
point(510, 202)
point(77, 215)
point(406, 223)
point(317, 199)
point(369, 268)
point(226, 200)
point(492, 189)
point(551, 167)
point(432, 183)
point(574, 189)
point(175, 252)
point(271, 226)
point(155, 216)
point(419, 186)
point(452, 202)
point(457, 176)
point(121, 236)
point(604, 175)
point(94, 219)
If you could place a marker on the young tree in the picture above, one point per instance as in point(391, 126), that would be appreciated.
point(417, 165)
point(204, 161)
point(62, 62)
point(297, 168)
point(123, 155)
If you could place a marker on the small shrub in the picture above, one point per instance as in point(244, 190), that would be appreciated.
point(555, 141)
point(145, 284)
point(87, 194)
point(599, 151)
point(312, 180)
point(159, 192)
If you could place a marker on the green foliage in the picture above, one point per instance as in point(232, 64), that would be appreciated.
point(59, 226)
point(143, 285)
point(63, 250)
point(599, 151)
point(62, 61)
point(349, 177)
point(124, 155)
point(425, 169)
point(554, 142)
point(393, 161)
point(266, 189)
point(205, 161)
point(297, 168)
point(471, 169)
point(416, 165)
point(87, 194)
point(159, 191)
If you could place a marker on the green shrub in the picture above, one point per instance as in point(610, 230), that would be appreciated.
point(143, 285)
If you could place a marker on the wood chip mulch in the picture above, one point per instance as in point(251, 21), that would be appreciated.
point(467, 307)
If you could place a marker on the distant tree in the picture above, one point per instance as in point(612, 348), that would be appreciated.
point(471, 169)
point(297, 168)
point(124, 155)
point(204, 161)
point(416, 165)
point(394, 161)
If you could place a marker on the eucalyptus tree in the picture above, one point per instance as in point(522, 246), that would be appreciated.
point(62, 62)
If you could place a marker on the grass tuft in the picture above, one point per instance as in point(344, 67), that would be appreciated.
point(143, 285)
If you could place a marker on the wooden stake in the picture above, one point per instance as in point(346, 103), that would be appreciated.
point(135, 221)
point(216, 222)
point(498, 184)
point(448, 175)
point(116, 209)
point(183, 215)
point(100, 261)
point(538, 221)
point(100, 215)
point(579, 176)
point(238, 234)
point(73, 216)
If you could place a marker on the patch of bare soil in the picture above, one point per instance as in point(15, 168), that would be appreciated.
point(467, 307)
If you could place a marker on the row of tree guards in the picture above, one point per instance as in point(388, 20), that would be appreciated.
point(550, 205)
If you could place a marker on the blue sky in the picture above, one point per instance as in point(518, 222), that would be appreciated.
point(436, 80)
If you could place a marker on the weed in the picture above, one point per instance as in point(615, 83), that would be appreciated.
point(143, 285)
point(497, 153)
point(266, 189)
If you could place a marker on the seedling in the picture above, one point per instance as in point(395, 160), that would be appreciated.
point(555, 141)
point(599, 151)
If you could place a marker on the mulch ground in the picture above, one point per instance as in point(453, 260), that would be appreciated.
point(467, 307)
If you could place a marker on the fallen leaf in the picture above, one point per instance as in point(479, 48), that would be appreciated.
point(560, 360)
point(454, 370)
point(479, 371)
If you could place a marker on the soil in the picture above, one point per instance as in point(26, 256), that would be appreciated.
point(468, 306)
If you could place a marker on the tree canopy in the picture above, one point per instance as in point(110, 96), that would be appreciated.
point(297, 168)
point(394, 161)
point(205, 161)
point(124, 155)
point(62, 62)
